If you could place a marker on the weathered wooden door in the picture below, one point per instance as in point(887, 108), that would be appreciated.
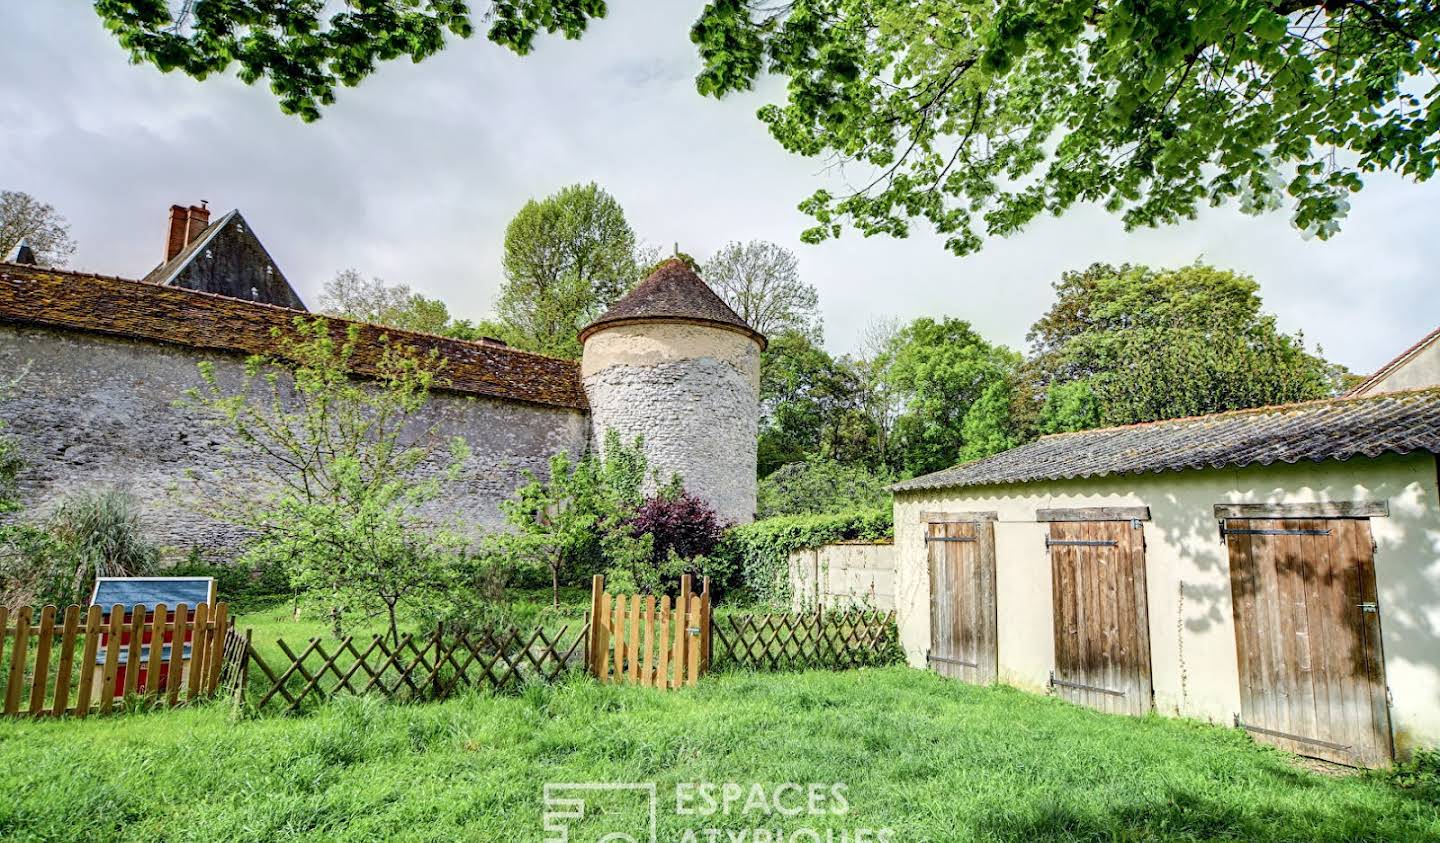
point(962, 596)
point(1307, 637)
point(1102, 626)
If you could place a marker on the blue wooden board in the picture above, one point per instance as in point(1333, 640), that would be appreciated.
point(142, 591)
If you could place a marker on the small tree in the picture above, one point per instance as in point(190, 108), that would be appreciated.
point(340, 470)
point(353, 296)
point(681, 528)
point(572, 521)
point(99, 532)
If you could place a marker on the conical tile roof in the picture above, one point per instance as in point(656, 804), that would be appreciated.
point(673, 292)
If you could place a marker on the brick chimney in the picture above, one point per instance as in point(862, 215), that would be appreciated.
point(185, 225)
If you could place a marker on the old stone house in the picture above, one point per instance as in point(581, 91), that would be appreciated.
point(104, 360)
point(1275, 568)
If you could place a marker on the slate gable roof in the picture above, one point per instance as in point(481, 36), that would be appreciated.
point(1332, 429)
point(165, 272)
point(127, 308)
point(673, 292)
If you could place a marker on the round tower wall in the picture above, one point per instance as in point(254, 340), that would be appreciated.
point(693, 393)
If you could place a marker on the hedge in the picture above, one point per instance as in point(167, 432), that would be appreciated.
point(760, 552)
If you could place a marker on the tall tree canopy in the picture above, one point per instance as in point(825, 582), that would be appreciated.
point(353, 296)
point(25, 218)
point(567, 258)
point(810, 406)
point(761, 282)
point(975, 117)
point(1130, 344)
point(954, 390)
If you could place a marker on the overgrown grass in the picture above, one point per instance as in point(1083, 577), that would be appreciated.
point(927, 758)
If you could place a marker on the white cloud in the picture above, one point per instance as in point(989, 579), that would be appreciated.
point(414, 175)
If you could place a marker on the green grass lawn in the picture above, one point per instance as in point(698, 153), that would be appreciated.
point(926, 758)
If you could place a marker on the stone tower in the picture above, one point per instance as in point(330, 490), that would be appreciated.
point(671, 362)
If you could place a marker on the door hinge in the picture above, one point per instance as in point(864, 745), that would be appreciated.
point(1134, 523)
point(1079, 542)
point(1369, 607)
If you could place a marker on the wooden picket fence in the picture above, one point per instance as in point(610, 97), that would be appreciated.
point(83, 660)
point(649, 641)
point(416, 668)
point(834, 640)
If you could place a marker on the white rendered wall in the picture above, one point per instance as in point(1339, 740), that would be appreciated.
point(1192, 635)
point(693, 393)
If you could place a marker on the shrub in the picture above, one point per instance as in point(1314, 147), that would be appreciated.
point(820, 485)
point(574, 521)
point(98, 532)
point(682, 525)
point(760, 552)
point(244, 587)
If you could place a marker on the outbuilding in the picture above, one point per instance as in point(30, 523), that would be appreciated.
point(1277, 569)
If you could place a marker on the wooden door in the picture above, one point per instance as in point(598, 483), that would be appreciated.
point(1102, 626)
point(962, 600)
point(1307, 637)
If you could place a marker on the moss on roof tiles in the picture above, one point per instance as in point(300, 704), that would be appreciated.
point(122, 307)
point(1337, 428)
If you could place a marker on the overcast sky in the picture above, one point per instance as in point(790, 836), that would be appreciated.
point(413, 176)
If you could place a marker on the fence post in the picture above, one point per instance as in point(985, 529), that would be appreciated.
point(242, 674)
point(705, 621)
point(439, 638)
point(597, 588)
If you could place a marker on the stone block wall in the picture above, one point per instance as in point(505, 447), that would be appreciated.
point(96, 411)
point(844, 575)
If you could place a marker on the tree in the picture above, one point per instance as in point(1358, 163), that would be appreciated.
point(954, 391)
point(975, 117)
point(25, 218)
point(1130, 344)
point(809, 406)
point(567, 258)
point(351, 295)
point(339, 470)
point(761, 283)
point(577, 519)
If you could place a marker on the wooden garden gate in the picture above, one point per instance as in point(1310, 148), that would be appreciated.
point(644, 640)
point(1307, 636)
point(961, 550)
point(1102, 626)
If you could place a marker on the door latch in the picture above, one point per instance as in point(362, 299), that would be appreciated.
point(1368, 607)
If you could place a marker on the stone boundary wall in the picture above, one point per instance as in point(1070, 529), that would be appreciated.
point(843, 575)
point(97, 411)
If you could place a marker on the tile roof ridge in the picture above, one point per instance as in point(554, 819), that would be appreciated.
point(1263, 410)
point(32, 270)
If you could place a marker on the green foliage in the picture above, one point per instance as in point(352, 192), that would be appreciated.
point(760, 551)
point(1070, 406)
point(573, 524)
point(952, 388)
point(567, 258)
point(810, 406)
point(243, 587)
point(1132, 344)
point(99, 532)
point(819, 485)
point(979, 117)
point(339, 472)
point(304, 55)
point(974, 117)
point(352, 296)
